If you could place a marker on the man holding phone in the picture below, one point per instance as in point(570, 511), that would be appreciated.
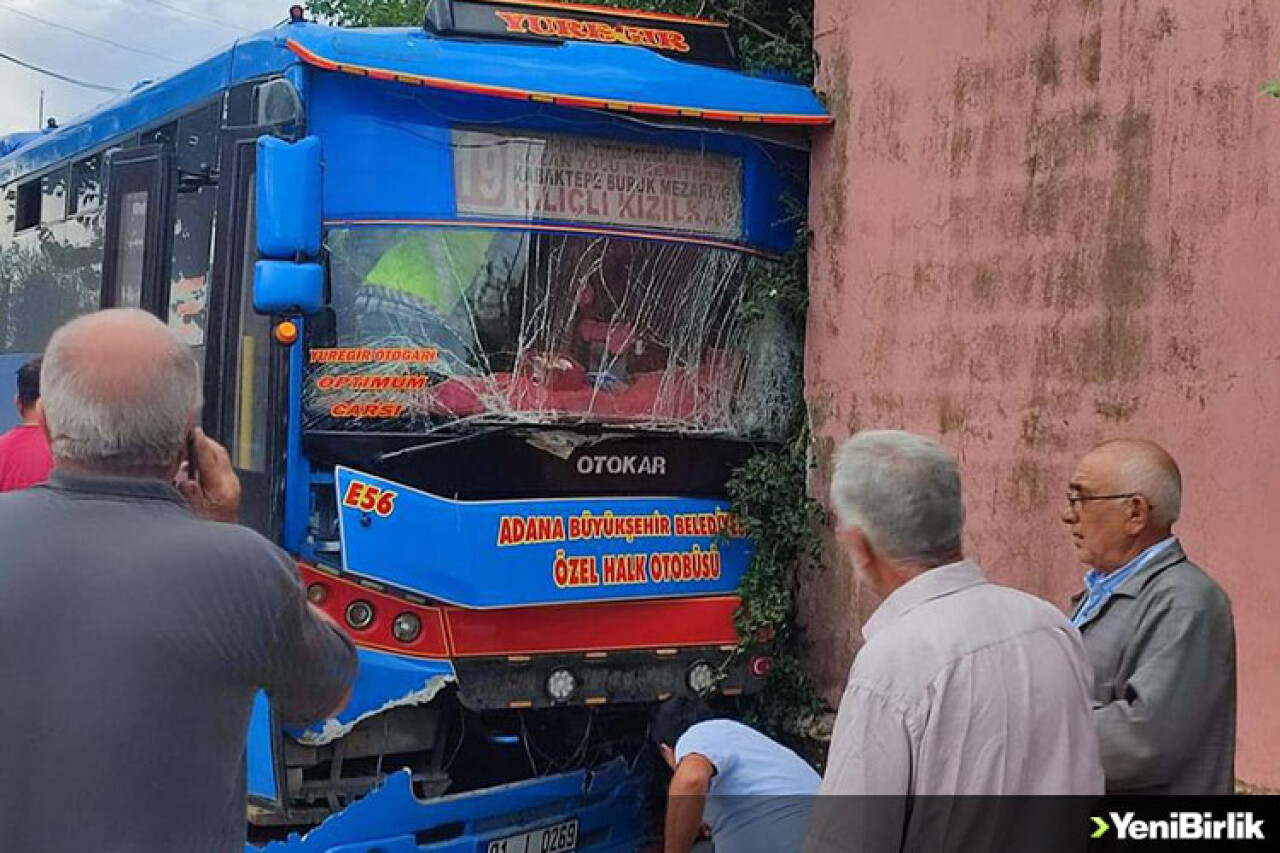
point(136, 625)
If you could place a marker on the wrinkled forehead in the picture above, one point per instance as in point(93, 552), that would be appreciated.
point(1095, 473)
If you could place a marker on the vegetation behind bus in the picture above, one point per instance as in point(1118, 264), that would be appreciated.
point(770, 491)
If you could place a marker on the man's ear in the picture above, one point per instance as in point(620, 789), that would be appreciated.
point(857, 544)
point(1137, 514)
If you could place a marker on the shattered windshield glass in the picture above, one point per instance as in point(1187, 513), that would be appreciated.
point(443, 327)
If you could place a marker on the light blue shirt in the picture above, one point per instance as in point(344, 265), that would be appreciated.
point(1100, 585)
point(762, 793)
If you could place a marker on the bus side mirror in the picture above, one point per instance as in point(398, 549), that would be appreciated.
point(283, 287)
point(288, 278)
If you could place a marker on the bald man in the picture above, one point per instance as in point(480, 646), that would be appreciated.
point(1158, 630)
point(136, 626)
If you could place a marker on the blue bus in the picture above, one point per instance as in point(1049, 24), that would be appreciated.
point(470, 302)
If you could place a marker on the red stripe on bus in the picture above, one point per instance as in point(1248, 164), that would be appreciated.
point(606, 626)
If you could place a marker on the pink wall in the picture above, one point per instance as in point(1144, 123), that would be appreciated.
point(1041, 224)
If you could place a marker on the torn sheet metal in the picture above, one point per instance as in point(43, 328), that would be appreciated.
point(608, 804)
point(384, 682)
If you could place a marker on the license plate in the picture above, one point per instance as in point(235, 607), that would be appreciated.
point(558, 838)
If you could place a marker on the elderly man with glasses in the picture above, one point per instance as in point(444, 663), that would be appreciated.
point(1158, 630)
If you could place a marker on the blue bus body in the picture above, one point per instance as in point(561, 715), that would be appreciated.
point(499, 445)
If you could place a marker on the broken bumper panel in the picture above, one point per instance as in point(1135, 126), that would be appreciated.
point(608, 804)
point(384, 682)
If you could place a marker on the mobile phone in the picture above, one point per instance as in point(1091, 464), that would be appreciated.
point(193, 472)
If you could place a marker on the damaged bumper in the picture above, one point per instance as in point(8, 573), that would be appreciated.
point(604, 806)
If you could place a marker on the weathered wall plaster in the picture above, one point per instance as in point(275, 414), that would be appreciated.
point(1039, 225)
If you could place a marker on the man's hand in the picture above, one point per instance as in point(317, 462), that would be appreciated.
point(214, 490)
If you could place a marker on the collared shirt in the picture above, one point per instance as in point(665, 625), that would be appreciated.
point(133, 638)
point(963, 687)
point(1099, 585)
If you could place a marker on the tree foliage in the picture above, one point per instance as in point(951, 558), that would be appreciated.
point(369, 13)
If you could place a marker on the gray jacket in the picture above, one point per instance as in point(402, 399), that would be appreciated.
point(1163, 650)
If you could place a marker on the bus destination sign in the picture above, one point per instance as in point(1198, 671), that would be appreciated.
point(693, 39)
point(601, 182)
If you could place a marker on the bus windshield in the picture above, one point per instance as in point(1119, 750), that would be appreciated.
point(436, 327)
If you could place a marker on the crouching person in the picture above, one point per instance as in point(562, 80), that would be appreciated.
point(753, 793)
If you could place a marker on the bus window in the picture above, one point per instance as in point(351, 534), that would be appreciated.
point(253, 360)
point(28, 212)
point(54, 206)
point(189, 267)
point(135, 273)
point(132, 249)
point(86, 191)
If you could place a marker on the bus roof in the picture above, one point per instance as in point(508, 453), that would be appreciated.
point(620, 78)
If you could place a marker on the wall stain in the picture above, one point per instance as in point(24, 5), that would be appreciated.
point(1046, 63)
point(948, 356)
point(832, 197)
point(983, 287)
point(1066, 282)
point(997, 354)
point(1113, 347)
point(1029, 486)
point(1177, 271)
point(1091, 56)
point(1119, 408)
point(880, 119)
point(886, 405)
point(1040, 432)
point(960, 151)
point(952, 415)
point(1128, 268)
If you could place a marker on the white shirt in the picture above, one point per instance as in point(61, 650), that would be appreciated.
point(963, 687)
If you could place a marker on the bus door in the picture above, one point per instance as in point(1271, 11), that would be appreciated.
point(244, 409)
point(135, 265)
point(245, 387)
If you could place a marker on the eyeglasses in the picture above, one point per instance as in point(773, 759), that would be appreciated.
point(1074, 500)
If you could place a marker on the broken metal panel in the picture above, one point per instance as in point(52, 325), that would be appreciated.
point(384, 682)
point(608, 804)
point(260, 755)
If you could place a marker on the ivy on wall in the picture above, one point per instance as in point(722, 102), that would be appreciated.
point(769, 492)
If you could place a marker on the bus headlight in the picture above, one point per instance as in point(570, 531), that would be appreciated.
point(406, 628)
point(701, 678)
point(317, 593)
point(359, 614)
point(561, 684)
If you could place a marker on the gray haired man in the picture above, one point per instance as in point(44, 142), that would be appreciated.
point(134, 630)
point(962, 687)
point(1159, 631)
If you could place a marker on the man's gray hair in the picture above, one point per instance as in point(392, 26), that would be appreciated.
point(116, 406)
point(1147, 468)
point(903, 492)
